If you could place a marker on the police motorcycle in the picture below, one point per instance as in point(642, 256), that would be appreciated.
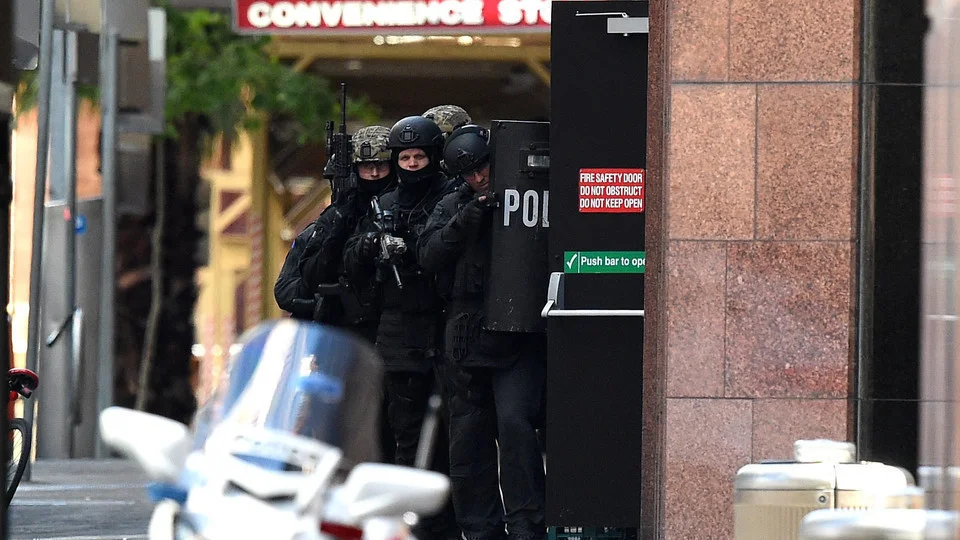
point(285, 448)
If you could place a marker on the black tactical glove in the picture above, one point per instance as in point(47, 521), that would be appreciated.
point(472, 213)
point(368, 245)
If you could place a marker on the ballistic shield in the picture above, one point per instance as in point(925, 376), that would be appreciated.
point(518, 274)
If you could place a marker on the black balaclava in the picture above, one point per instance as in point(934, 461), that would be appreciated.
point(369, 188)
point(421, 180)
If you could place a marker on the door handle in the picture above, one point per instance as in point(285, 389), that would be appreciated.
point(621, 23)
point(554, 305)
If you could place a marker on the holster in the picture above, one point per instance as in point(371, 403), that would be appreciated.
point(462, 331)
point(321, 296)
point(349, 310)
point(352, 309)
point(303, 309)
point(469, 345)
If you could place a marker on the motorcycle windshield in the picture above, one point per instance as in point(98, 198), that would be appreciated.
point(302, 379)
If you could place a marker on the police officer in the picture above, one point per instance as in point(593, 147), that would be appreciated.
point(448, 117)
point(314, 262)
point(290, 291)
point(411, 322)
point(410, 330)
point(500, 377)
point(345, 303)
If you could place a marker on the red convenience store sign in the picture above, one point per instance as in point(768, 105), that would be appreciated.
point(390, 16)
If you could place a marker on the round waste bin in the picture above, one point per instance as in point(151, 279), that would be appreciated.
point(884, 524)
point(771, 498)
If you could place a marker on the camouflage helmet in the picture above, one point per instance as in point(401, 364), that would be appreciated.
point(370, 144)
point(448, 117)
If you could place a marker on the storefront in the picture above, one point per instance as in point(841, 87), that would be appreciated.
point(491, 57)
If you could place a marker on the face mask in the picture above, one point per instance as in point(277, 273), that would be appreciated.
point(373, 187)
point(413, 178)
point(420, 176)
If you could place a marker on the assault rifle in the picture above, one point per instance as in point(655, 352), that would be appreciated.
point(340, 150)
point(391, 247)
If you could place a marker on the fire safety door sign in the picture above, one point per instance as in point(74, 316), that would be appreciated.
point(612, 191)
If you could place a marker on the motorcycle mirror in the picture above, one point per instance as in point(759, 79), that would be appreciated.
point(378, 489)
point(159, 445)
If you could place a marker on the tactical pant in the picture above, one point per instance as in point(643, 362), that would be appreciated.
point(490, 406)
point(407, 396)
point(367, 331)
point(408, 393)
point(388, 443)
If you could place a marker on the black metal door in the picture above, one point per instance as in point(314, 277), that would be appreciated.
point(595, 322)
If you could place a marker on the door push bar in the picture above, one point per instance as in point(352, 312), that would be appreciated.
point(621, 23)
point(554, 305)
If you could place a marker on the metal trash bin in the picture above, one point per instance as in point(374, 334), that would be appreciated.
point(771, 498)
point(885, 524)
point(936, 484)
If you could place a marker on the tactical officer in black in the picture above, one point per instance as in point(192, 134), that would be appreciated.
point(410, 331)
point(290, 291)
point(409, 337)
point(343, 302)
point(311, 284)
point(500, 377)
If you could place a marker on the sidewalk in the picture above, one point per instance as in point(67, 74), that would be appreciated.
point(81, 499)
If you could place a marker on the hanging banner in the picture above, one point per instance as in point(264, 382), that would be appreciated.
point(390, 16)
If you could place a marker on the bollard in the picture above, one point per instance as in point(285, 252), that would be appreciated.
point(772, 498)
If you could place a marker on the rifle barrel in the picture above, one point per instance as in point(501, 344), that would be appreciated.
point(396, 276)
point(343, 107)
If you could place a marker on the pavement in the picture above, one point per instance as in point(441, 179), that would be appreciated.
point(81, 499)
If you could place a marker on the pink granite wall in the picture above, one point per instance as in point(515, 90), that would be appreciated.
point(760, 205)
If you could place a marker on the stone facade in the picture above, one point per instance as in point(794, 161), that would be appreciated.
point(759, 229)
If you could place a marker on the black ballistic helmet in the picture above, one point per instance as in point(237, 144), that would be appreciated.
point(467, 149)
point(415, 132)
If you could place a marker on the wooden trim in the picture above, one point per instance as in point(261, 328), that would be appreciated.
point(231, 213)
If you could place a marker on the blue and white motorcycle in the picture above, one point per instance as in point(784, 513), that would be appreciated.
point(286, 448)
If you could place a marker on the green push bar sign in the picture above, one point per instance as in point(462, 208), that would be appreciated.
point(604, 262)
